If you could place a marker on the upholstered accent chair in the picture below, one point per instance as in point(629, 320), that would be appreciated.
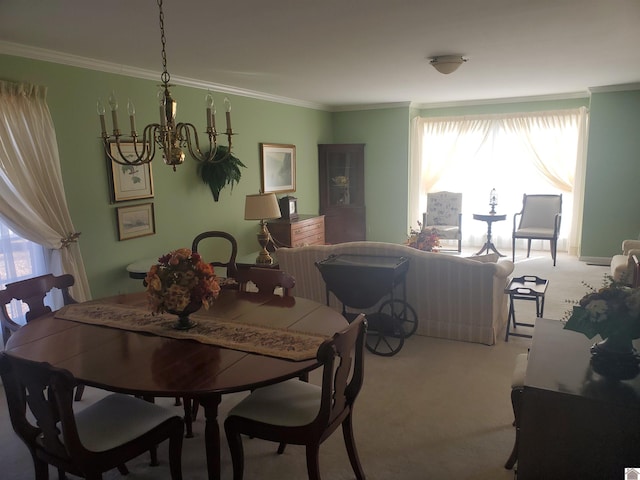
point(622, 265)
point(539, 219)
point(444, 214)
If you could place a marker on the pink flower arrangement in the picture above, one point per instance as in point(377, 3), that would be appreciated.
point(181, 279)
point(424, 239)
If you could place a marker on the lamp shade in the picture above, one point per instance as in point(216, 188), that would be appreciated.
point(261, 206)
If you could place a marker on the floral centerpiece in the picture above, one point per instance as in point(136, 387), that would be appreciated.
point(613, 312)
point(424, 239)
point(181, 283)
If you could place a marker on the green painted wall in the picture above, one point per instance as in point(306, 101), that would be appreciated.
point(184, 207)
point(612, 195)
point(385, 133)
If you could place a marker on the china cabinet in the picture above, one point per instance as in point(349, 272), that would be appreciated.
point(341, 173)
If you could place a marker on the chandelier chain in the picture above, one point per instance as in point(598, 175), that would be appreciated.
point(165, 77)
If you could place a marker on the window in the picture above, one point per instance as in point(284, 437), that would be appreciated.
point(19, 259)
point(536, 153)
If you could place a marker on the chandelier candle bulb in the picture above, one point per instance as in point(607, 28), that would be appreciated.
point(114, 112)
point(227, 104)
point(132, 116)
point(210, 110)
point(103, 125)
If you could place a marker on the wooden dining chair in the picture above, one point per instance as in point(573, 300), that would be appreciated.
point(32, 292)
point(228, 262)
point(266, 280)
point(99, 438)
point(301, 413)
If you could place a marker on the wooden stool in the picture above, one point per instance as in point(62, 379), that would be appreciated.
point(527, 287)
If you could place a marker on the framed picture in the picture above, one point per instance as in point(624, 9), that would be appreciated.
point(135, 221)
point(277, 168)
point(128, 182)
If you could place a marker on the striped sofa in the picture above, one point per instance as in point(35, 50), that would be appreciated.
point(455, 298)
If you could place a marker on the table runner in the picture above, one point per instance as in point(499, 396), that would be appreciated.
point(265, 340)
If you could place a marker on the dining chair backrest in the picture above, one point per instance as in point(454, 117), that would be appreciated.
point(32, 292)
point(38, 391)
point(539, 219)
point(230, 261)
point(540, 211)
point(266, 280)
point(342, 358)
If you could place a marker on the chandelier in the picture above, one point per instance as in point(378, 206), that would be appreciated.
point(167, 136)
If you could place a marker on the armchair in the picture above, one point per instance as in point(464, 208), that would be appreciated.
point(622, 266)
point(444, 214)
point(539, 219)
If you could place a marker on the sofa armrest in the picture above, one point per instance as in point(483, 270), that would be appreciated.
point(504, 268)
point(628, 245)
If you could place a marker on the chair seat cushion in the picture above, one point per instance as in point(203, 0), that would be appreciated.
point(531, 232)
point(118, 419)
point(445, 231)
point(292, 403)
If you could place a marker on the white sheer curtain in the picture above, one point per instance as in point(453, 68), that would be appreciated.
point(33, 203)
point(541, 152)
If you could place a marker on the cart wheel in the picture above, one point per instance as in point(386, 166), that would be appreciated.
point(403, 311)
point(385, 335)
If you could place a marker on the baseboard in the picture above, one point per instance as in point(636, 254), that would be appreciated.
point(604, 261)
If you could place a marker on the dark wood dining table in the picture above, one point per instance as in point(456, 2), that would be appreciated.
point(155, 366)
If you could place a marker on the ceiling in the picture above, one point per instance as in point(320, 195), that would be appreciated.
point(338, 53)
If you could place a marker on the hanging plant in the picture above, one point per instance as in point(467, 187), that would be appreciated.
point(218, 173)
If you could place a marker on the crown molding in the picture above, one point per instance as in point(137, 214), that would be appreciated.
point(371, 106)
point(497, 101)
point(52, 56)
point(615, 88)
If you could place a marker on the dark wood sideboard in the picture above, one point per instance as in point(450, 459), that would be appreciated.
point(575, 424)
point(303, 230)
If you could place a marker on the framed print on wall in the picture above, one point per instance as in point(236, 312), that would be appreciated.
point(135, 221)
point(129, 182)
point(277, 168)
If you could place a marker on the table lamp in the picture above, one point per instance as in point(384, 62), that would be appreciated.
point(262, 206)
point(493, 201)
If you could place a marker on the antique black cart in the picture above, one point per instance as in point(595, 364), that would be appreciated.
point(361, 282)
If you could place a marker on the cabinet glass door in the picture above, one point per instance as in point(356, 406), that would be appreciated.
point(343, 181)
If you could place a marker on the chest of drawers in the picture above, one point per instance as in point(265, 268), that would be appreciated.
point(305, 230)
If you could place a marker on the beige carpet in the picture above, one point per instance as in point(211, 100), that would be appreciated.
point(437, 410)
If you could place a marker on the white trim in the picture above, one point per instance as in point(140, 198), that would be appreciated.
point(604, 261)
point(497, 101)
point(615, 88)
point(34, 53)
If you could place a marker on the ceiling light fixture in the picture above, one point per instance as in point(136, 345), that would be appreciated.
point(169, 137)
point(447, 63)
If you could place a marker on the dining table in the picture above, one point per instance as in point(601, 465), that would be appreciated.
point(167, 363)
